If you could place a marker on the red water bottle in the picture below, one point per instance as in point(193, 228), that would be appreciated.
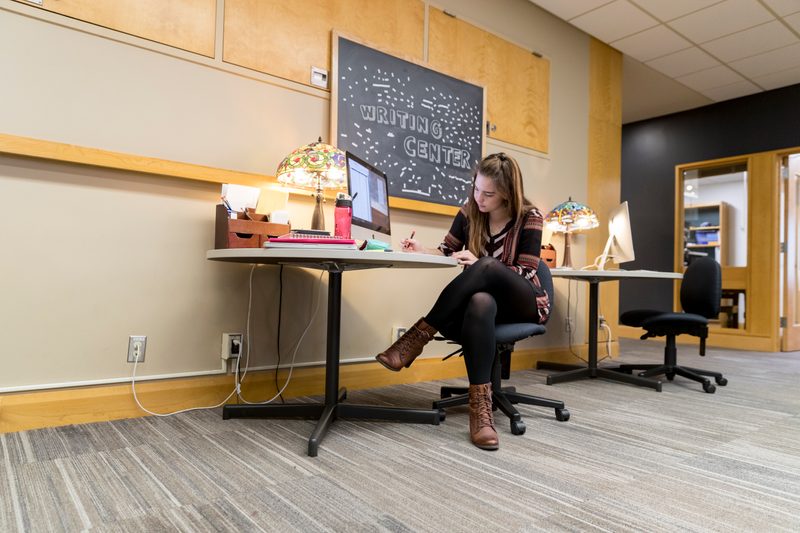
point(342, 216)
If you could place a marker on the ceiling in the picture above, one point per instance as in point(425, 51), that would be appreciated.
point(681, 54)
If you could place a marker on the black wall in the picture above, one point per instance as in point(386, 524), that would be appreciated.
point(652, 148)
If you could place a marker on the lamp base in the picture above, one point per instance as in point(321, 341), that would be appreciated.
point(318, 218)
point(567, 256)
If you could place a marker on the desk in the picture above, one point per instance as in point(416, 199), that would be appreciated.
point(335, 262)
point(594, 278)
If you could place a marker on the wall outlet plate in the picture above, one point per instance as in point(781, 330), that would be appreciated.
point(397, 332)
point(137, 346)
point(232, 344)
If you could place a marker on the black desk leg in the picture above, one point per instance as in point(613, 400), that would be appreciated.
point(592, 371)
point(332, 409)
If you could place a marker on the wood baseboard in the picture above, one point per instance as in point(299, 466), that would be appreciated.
point(40, 409)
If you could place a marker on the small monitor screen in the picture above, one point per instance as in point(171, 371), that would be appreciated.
point(369, 189)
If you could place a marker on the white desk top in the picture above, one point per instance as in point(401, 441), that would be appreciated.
point(320, 258)
point(611, 275)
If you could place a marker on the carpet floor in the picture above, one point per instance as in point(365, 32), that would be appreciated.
point(629, 459)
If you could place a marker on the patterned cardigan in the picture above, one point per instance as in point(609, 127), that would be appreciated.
point(521, 250)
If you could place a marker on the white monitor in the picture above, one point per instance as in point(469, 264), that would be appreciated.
point(369, 189)
point(619, 246)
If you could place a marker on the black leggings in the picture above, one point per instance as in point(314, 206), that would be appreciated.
point(485, 294)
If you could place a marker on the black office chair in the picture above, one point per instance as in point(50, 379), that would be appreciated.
point(504, 397)
point(701, 290)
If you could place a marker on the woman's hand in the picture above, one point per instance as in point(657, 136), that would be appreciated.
point(411, 245)
point(464, 257)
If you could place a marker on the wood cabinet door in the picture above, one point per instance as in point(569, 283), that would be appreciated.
point(516, 81)
point(185, 24)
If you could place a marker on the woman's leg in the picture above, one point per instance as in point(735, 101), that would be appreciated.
point(477, 337)
point(515, 296)
point(507, 298)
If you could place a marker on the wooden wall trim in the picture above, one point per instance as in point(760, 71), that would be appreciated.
point(71, 153)
point(40, 409)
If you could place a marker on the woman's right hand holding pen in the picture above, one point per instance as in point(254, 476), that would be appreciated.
point(411, 245)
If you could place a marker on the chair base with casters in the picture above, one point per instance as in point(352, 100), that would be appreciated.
point(504, 398)
point(670, 325)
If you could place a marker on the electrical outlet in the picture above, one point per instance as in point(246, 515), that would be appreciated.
point(231, 345)
point(397, 332)
point(137, 345)
point(569, 324)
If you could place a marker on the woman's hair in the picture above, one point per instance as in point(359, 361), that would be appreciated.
point(504, 171)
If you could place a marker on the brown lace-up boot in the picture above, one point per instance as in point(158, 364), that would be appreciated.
point(481, 423)
point(408, 347)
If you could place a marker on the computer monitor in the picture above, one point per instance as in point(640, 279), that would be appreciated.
point(619, 246)
point(369, 189)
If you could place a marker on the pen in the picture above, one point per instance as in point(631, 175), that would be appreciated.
point(412, 234)
point(225, 201)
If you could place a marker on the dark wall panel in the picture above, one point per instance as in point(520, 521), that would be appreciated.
point(652, 148)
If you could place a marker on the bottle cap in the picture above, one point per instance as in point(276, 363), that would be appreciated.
point(343, 200)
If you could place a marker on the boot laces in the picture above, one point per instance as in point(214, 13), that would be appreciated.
point(484, 408)
point(407, 341)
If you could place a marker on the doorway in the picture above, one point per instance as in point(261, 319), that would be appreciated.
point(790, 266)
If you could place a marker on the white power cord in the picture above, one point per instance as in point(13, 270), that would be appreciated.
point(294, 353)
point(237, 382)
point(607, 328)
point(148, 411)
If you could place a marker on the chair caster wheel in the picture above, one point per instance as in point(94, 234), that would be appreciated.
point(709, 387)
point(517, 427)
point(562, 415)
point(670, 376)
point(721, 381)
point(442, 415)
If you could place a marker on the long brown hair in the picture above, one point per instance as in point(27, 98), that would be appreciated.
point(504, 171)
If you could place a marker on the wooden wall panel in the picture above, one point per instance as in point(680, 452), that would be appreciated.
point(763, 306)
point(605, 155)
point(517, 82)
point(185, 24)
point(286, 39)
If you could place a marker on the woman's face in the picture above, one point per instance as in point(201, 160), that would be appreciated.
point(486, 196)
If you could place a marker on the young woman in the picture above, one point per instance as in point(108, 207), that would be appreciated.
point(497, 236)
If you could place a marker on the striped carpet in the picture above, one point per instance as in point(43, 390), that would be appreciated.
point(630, 459)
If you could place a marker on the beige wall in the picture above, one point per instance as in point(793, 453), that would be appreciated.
point(90, 256)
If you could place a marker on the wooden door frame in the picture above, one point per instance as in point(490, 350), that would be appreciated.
point(790, 334)
point(760, 278)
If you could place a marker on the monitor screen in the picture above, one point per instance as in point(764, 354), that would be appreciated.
point(619, 246)
point(369, 189)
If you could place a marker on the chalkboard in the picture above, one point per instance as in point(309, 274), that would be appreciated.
point(423, 128)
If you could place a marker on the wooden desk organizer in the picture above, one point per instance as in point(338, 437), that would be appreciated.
point(248, 230)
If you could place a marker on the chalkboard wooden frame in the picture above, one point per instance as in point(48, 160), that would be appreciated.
point(405, 132)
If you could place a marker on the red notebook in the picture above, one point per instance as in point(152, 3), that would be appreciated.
point(314, 242)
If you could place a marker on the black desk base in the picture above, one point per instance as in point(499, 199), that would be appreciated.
point(326, 414)
point(592, 371)
point(576, 372)
point(332, 409)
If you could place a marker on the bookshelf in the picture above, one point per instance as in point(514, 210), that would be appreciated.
point(706, 232)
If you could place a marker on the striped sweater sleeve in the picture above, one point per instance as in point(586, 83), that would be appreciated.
point(456, 238)
point(528, 249)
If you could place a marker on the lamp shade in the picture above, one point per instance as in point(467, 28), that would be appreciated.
point(571, 216)
point(314, 166)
